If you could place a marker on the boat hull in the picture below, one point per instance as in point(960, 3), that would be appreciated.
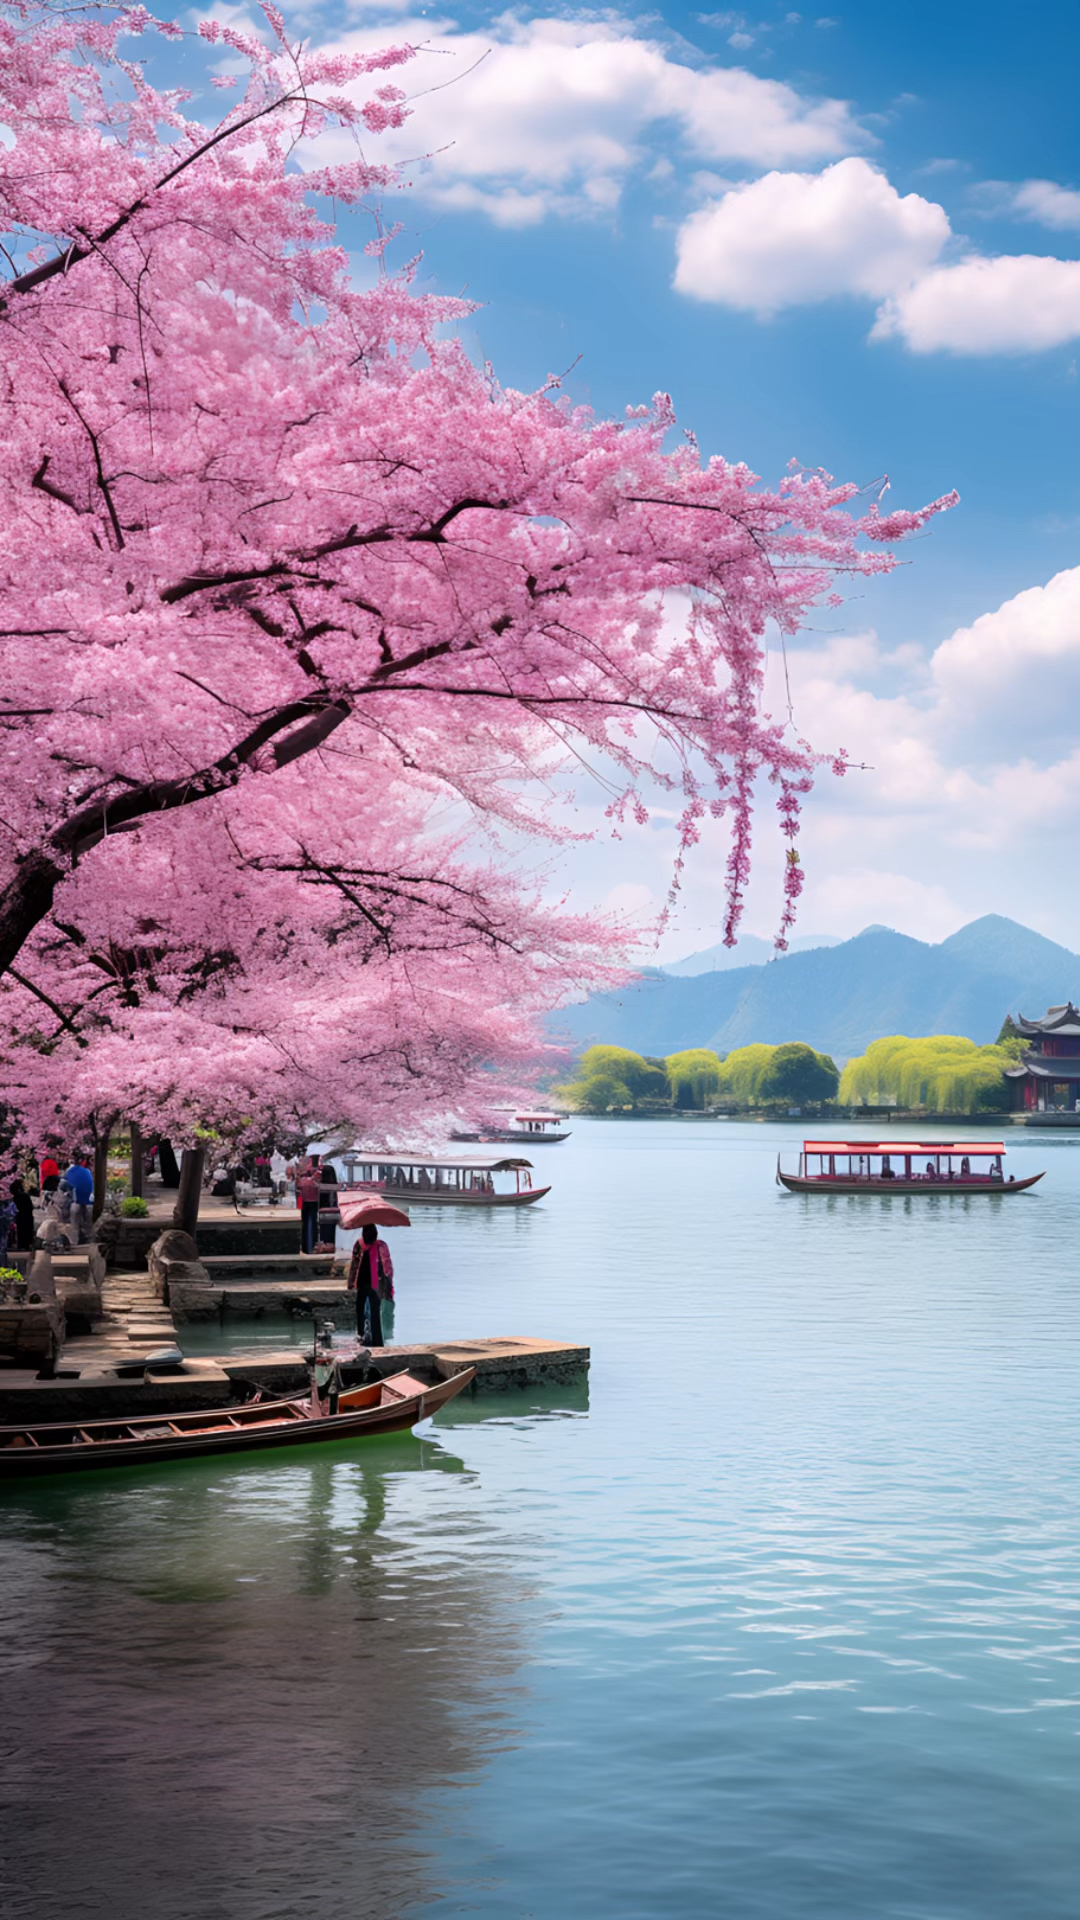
point(509, 1138)
point(836, 1183)
point(273, 1423)
point(446, 1197)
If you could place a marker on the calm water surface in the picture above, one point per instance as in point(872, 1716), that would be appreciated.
point(779, 1618)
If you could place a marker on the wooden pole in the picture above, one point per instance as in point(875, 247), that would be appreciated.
point(186, 1210)
point(136, 1161)
point(101, 1171)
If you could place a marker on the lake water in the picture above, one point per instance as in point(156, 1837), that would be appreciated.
point(777, 1619)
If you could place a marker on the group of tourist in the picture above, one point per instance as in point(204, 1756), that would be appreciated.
point(68, 1198)
point(934, 1171)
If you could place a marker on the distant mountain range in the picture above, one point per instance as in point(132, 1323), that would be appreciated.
point(838, 998)
point(752, 951)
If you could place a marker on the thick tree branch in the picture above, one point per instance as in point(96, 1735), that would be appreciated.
point(28, 898)
point(47, 1001)
point(103, 485)
point(42, 484)
point(342, 543)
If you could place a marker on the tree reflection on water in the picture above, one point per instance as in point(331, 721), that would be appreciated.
point(227, 1684)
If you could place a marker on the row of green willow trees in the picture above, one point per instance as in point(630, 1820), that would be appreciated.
point(943, 1073)
point(613, 1079)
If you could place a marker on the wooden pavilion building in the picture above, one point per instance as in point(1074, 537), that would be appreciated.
point(1046, 1078)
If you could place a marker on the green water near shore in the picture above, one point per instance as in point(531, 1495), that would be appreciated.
point(779, 1619)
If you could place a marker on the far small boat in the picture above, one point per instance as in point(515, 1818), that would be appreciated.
point(385, 1406)
point(534, 1129)
point(901, 1166)
point(441, 1180)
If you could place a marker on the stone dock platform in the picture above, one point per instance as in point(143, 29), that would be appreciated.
point(133, 1290)
point(98, 1392)
point(260, 1288)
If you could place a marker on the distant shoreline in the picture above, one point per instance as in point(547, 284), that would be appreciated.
point(862, 1117)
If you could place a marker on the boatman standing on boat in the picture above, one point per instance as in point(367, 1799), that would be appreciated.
point(371, 1272)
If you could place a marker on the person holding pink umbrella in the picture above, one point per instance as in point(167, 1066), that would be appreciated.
point(371, 1272)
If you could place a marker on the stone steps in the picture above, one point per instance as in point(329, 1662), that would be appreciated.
point(133, 1317)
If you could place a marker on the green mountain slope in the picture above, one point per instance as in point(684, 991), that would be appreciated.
point(840, 998)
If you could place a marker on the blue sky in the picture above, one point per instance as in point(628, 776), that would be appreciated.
point(852, 238)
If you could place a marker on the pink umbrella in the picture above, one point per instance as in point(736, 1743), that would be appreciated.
point(372, 1210)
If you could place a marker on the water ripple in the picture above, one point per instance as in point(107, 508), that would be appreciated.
point(779, 1623)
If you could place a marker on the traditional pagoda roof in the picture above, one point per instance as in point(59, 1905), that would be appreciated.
point(1064, 1019)
point(1068, 1069)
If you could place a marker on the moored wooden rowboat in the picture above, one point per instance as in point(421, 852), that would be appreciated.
point(385, 1406)
point(901, 1166)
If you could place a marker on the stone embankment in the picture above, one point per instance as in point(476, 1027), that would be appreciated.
point(117, 1315)
point(99, 1392)
point(503, 1364)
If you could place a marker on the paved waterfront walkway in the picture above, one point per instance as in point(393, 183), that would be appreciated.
point(134, 1319)
point(215, 1212)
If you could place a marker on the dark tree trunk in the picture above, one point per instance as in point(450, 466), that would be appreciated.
point(170, 1172)
point(136, 1161)
point(25, 903)
point(101, 1171)
point(186, 1210)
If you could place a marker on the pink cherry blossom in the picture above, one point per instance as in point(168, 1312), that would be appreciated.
point(271, 545)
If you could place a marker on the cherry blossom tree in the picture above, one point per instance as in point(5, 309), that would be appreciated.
point(254, 516)
point(374, 981)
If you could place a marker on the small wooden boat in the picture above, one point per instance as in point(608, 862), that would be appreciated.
point(901, 1166)
point(458, 1180)
point(384, 1406)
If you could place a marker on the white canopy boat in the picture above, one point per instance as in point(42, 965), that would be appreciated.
point(534, 1129)
point(442, 1180)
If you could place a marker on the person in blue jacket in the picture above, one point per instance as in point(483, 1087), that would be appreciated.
point(80, 1180)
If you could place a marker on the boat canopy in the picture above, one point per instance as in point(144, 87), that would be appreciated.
point(538, 1119)
point(985, 1148)
point(443, 1163)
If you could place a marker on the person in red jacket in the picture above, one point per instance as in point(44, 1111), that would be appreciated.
point(50, 1174)
point(371, 1272)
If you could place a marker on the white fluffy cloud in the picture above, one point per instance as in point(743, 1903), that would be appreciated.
point(1014, 303)
point(970, 796)
point(792, 238)
point(1044, 201)
point(995, 701)
point(551, 115)
point(967, 801)
point(974, 770)
point(1024, 657)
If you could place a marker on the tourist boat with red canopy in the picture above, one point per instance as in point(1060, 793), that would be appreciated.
point(902, 1166)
